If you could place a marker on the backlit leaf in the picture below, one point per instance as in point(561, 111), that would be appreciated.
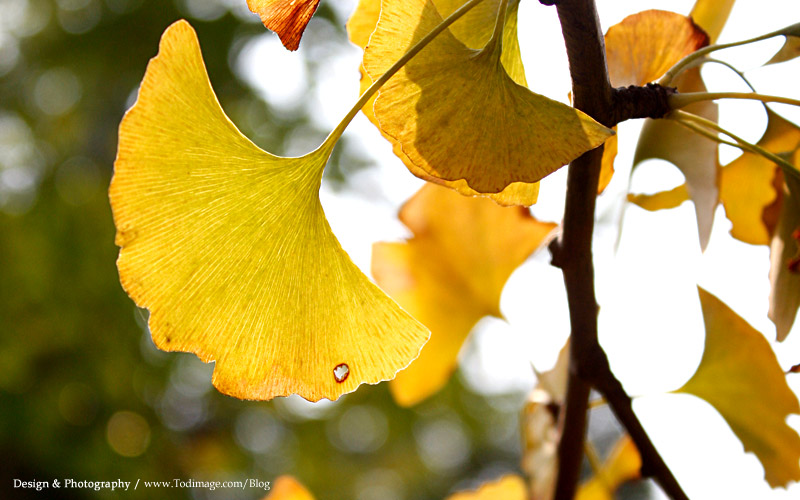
point(789, 51)
point(740, 377)
point(229, 249)
point(510, 487)
point(747, 184)
point(450, 274)
point(694, 155)
point(288, 488)
point(711, 15)
point(784, 273)
point(623, 464)
point(474, 30)
point(287, 18)
point(640, 49)
point(423, 108)
point(659, 201)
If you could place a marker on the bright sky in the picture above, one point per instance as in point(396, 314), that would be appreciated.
point(651, 324)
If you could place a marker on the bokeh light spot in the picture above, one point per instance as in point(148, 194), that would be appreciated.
point(128, 433)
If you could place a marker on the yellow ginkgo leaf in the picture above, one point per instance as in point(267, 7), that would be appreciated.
point(712, 15)
point(789, 51)
point(288, 488)
point(287, 18)
point(784, 273)
point(694, 155)
point(642, 47)
point(505, 133)
point(639, 50)
point(450, 274)
point(623, 464)
point(740, 377)
point(747, 184)
point(229, 249)
point(661, 200)
point(474, 30)
point(510, 487)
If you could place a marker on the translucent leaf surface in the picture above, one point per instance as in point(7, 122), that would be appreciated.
point(229, 249)
point(694, 155)
point(287, 18)
point(740, 377)
point(450, 274)
point(747, 184)
point(423, 108)
point(642, 47)
point(712, 15)
point(474, 30)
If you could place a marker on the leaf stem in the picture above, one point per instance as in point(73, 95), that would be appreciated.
point(687, 61)
point(495, 44)
point(678, 100)
point(377, 84)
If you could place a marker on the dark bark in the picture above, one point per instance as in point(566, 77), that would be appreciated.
point(593, 94)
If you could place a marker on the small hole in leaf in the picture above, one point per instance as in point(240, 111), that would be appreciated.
point(341, 372)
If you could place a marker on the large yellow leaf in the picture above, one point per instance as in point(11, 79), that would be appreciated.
point(740, 377)
point(784, 273)
point(474, 30)
point(288, 488)
point(509, 487)
point(457, 114)
point(287, 18)
point(711, 15)
point(639, 50)
point(623, 464)
point(450, 274)
point(747, 184)
point(229, 249)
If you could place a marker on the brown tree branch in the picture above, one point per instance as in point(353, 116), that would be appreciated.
point(593, 94)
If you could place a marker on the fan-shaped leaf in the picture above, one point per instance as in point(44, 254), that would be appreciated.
point(229, 249)
point(287, 18)
point(450, 274)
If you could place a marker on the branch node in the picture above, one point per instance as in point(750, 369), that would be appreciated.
point(556, 253)
point(650, 101)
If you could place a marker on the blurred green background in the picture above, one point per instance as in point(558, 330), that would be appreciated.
point(84, 394)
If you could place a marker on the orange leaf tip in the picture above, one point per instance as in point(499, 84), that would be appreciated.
point(287, 18)
point(229, 249)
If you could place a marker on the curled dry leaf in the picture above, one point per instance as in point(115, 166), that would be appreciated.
point(540, 432)
point(287, 18)
point(747, 187)
point(229, 249)
point(784, 273)
point(740, 377)
point(449, 107)
point(450, 274)
point(639, 50)
point(288, 488)
point(474, 30)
